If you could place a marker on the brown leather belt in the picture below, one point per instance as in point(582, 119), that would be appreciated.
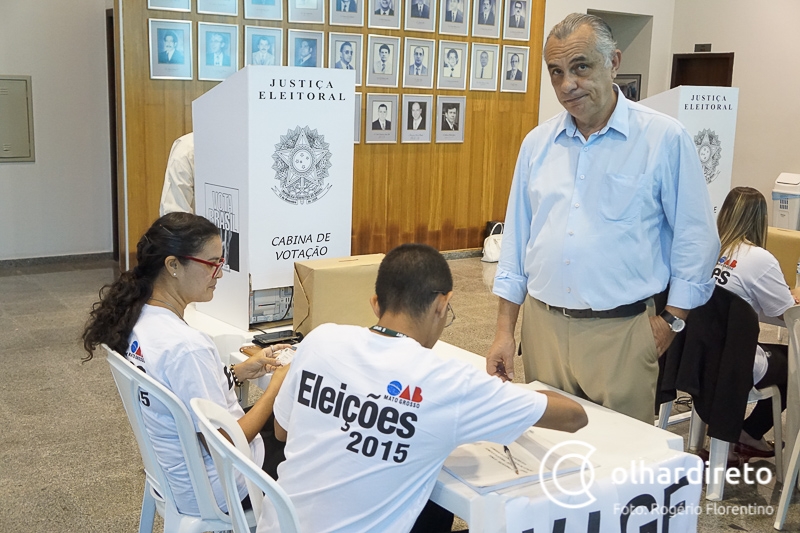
point(623, 311)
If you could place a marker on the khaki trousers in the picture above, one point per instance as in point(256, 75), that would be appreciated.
point(610, 361)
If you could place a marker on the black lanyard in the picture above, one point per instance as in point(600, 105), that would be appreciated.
point(388, 332)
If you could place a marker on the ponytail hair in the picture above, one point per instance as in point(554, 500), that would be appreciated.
point(112, 319)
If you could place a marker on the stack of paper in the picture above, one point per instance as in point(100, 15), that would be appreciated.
point(485, 467)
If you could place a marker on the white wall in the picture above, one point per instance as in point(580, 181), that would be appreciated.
point(634, 36)
point(764, 38)
point(61, 203)
point(660, 48)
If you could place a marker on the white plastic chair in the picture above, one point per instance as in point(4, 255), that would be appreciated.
point(136, 390)
point(792, 318)
point(229, 460)
point(718, 449)
point(665, 417)
point(788, 486)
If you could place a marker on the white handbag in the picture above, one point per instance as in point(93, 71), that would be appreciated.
point(492, 243)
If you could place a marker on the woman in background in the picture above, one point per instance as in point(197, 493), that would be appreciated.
point(748, 270)
point(179, 260)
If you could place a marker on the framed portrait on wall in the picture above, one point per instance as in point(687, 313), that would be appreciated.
point(170, 5)
point(629, 85)
point(483, 76)
point(486, 18)
point(416, 121)
point(307, 11)
point(420, 15)
point(514, 71)
point(347, 12)
point(263, 9)
point(357, 125)
point(381, 118)
point(454, 17)
point(383, 60)
point(263, 46)
point(345, 52)
point(516, 23)
point(217, 51)
point(170, 49)
point(450, 118)
point(384, 14)
point(420, 63)
point(218, 7)
point(306, 49)
point(452, 65)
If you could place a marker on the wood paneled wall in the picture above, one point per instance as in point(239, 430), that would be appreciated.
point(438, 194)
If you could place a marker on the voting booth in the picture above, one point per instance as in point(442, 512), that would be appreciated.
point(274, 171)
point(709, 115)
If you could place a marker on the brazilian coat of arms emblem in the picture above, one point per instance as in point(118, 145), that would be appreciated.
point(709, 150)
point(302, 160)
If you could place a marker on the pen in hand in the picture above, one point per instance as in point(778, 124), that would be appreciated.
point(511, 458)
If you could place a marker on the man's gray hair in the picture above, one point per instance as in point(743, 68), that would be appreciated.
point(604, 40)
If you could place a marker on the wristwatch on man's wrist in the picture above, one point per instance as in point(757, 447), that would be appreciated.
point(675, 324)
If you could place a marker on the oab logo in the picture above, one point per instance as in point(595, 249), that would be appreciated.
point(396, 389)
point(568, 456)
point(135, 351)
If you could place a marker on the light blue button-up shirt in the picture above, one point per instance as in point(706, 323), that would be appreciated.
point(611, 220)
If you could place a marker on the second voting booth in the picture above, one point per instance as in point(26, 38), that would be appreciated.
point(274, 171)
point(709, 115)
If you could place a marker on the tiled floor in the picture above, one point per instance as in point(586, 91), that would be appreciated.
point(68, 460)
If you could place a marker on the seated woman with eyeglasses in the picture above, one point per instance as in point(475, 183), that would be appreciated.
point(141, 315)
point(748, 270)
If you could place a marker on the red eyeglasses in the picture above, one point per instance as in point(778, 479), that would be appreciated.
point(217, 266)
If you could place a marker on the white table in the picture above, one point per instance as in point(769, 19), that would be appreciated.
point(527, 509)
point(228, 339)
point(619, 440)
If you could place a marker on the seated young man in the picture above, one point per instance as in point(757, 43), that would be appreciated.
point(370, 414)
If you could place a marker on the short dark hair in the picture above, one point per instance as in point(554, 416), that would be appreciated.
point(383, 106)
point(409, 279)
point(386, 46)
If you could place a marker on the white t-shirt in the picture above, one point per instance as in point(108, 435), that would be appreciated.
point(178, 191)
point(753, 274)
point(186, 362)
point(370, 421)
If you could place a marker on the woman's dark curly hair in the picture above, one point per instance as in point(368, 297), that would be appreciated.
point(113, 317)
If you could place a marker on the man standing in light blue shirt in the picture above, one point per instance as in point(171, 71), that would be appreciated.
point(608, 207)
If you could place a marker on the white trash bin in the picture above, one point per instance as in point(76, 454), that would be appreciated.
point(786, 202)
